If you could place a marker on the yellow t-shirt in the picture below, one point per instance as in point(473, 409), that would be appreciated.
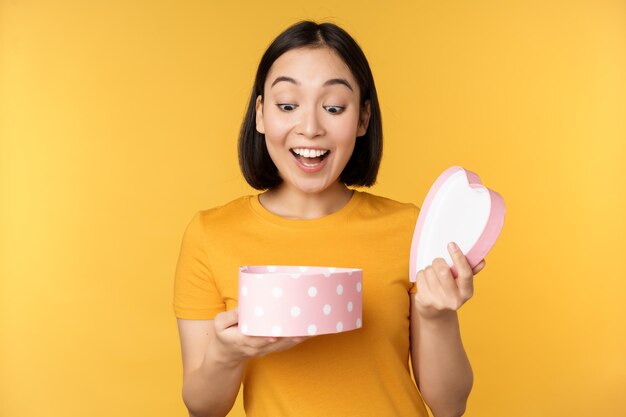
point(363, 372)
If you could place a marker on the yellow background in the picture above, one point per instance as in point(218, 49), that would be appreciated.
point(119, 120)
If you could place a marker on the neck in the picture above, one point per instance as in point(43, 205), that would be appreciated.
point(293, 203)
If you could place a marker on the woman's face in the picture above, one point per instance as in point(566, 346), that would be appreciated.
point(310, 117)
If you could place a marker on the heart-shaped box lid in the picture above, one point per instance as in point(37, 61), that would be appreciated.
point(457, 208)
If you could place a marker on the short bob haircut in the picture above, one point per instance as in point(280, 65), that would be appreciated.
point(361, 170)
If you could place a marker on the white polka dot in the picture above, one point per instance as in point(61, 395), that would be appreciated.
point(339, 326)
point(358, 286)
point(326, 274)
point(304, 268)
point(271, 268)
point(350, 272)
point(259, 311)
point(295, 311)
point(326, 309)
point(332, 270)
point(350, 306)
point(244, 290)
point(295, 276)
point(358, 323)
point(277, 331)
point(312, 291)
point(244, 328)
point(339, 289)
point(312, 329)
point(277, 292)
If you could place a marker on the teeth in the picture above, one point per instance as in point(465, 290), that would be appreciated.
point(310, 153)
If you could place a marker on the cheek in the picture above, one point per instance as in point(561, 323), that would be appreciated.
point(277, 123)
point(344, 133)
point(277, 128)
point(345, 127)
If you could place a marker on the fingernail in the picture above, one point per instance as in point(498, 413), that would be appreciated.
point(453, 247)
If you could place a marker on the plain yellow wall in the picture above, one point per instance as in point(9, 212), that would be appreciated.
point(119, 121)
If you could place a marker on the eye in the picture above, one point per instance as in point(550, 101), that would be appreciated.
point(338, 109)
point(286, 104)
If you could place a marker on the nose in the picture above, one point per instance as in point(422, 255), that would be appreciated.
point(310, 123)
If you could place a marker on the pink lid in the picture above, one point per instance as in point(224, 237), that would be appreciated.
point(458, 208)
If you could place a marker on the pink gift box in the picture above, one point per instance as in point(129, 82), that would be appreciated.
point(299, 300)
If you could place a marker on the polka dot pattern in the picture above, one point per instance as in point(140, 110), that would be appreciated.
point(285, 301)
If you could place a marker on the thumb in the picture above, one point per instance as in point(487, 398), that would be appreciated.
point(227, 319)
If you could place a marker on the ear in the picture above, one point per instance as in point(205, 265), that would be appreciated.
point(260, 127)
point(364, 119)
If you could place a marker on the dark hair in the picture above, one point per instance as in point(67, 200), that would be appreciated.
point(254, 160)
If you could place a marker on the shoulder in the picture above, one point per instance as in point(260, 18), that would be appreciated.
point(223, 214)
point(384, 205)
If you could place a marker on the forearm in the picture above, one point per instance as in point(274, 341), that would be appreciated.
point(211, 390)
point(445, 373)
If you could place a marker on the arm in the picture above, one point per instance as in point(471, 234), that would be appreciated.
point(442, 370)
point(440, 365)
point(210, 383)
point(214, 356)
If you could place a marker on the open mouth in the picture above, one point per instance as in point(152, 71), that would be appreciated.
point(309, 157)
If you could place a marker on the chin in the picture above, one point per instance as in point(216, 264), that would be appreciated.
point(312, 189)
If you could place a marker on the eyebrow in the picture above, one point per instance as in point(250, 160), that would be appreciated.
point(332, 81)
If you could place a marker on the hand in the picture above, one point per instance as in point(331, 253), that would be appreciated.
point(438, 292)
point(234, 347)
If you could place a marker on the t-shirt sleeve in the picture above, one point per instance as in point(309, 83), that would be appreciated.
point(196, 296)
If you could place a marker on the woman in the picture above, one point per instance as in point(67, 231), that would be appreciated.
point(313, 128)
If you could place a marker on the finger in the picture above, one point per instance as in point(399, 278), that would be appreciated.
point(257, 342)
point(479, 267)
point(446, 279)
point(436, 290)
point(280, 344)
point(299, 339)
point(465, 279)
point(421, 286)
